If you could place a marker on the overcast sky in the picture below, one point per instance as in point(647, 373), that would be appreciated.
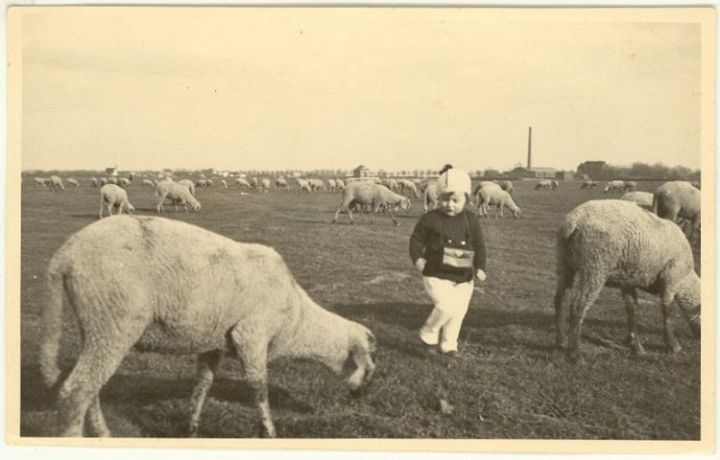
point(394, 89)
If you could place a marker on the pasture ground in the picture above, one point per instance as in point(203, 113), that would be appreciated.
point(508, 382)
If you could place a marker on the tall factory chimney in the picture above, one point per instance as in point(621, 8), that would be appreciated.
point(529, 162)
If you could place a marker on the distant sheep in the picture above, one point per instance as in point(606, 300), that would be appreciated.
point(630, 185)
point(56, 183)
point(114, 196)
point(148, 182)
point(94, 182)
point(41, 181)
point(243, 183)
point(176, 193)
point(545, 184)
point(642, 199)
point(304, 185)
point(281, 182)
point(614, 186)
point(367, 193)
point(73, 182)
point(223, 183)
point(506, 185)
point(406, 185)
point(679, 199)
point(616, 243)
point(340, 184)
point(498, 197)
point(430, 196)
point(123, 182)
point(588, 184)
point(181, 289)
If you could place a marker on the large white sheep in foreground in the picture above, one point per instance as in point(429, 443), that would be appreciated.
point(679, 199)
point(114, 196)
point(618, 244)
point(176, 193)
point(365, 193)
point(184, 290)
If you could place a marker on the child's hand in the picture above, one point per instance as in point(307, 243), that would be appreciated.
point(420, 264)
point(480, 275)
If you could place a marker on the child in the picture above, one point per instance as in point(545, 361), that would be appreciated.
point(447, 246)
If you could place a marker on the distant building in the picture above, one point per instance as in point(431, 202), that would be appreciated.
point(532, 173)
point(565, 175)
point(362, 171)
point(111, 171)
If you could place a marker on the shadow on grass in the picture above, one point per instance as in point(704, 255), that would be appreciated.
point(135, 391)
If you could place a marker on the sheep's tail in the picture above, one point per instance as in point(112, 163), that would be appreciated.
point(52, 321)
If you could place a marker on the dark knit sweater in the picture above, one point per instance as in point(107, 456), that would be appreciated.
point(436, 229)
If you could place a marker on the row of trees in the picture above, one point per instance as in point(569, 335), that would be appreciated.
point(599, 170)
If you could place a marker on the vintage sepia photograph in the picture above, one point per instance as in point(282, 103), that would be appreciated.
point(361, 227)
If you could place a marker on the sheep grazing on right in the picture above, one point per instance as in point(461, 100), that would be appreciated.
point(618, 244)
point(546, 184)
point(176, 193)
point(588, 184)
point(679, 199)
point(499, 198)
point(642, 199)
point(365, 193)
point(114, 196)
point(242, 182)
point(430, 196)
point(184, 290)
point(281, 182)
point(73, 182)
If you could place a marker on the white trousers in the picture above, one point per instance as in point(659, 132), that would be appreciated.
point(451, 301)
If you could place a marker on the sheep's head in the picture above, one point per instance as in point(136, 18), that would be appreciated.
point(130, 208)
point(360, 364)
point(688, 297)
point(516, 211)
point(406, 204)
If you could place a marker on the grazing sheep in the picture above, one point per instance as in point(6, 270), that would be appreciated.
point(148, 182)
point(430, 198)
point(406, 185)
point(254, 182)
point(208, 182)
point(123, 182)
point(281, 182)
point(223, 183)
point(614, 186)
point(332, 185)
point(588, 184)
point(242, 182)
point(678, 199)
point(265, 185)
point(630, 185)
point(340, 184)
point(184, 290)
point(545, 184)
point(103, 181)
point(368, 193)
point(316, 184)
point(113, 196)
point(176, 193)
point(555, 185)
point(41, 181)
point(506, 185)
point(303, 184)
point(642, 199)
point(56, 183)
point(112, 180)
point(616, 243)
point(73, 182)
point(189, 184)
point(200, 183)
point(94, 182)
point(500, 198)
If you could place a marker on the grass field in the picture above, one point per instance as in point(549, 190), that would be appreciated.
point(509, 381)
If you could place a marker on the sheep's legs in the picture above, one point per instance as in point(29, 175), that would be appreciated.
point(95, 422)
point(630, 298)
point(254, 358)
point(100, 214)
point(588, 290)
point(206, 365)
point(98, 361)
point(670, 340)
point(561, 308)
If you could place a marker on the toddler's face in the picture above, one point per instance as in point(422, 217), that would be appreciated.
point(452, 204)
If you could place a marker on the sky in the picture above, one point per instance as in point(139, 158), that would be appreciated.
point(332, 88)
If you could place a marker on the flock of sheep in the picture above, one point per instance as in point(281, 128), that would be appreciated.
point(183, 289)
